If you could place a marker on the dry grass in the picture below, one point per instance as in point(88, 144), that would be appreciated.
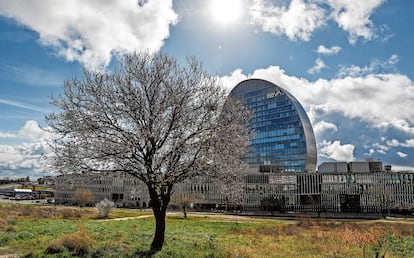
point(316, 238)
point(78, 243)
point(34, 212)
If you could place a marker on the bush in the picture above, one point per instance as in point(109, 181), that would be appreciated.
point(54, 247)
point(104, 208)
point(83, 196)
point(69, 213)
point(79, 243)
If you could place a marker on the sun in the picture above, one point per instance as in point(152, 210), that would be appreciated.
point(226, 12)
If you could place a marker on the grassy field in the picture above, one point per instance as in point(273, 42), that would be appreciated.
point(41, 231)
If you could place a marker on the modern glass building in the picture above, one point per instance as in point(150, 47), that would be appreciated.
point(282, 138)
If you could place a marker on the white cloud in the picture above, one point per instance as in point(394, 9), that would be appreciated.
point(380, 148)
point(401, 154)
point(14, 157)
point(229, 81)
point(393, 59)
point(297, 21)
point(29, 153)
point(301, 18)
point(31, 130)
point(323, 126)
point(399, 124)
point(370, 98)
point(375, 66)
point(353, 16)
point(370, 152)
point(328, 51)
point(334, 150)
point(9, 156)
point(319, 65)
point(395, 143)
point(7, 135)
point(92, 31)
point(355, 71)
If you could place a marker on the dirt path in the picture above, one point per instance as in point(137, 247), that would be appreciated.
point(5, 249)
point(126, 218)
point(229, 217)
point(211, 217)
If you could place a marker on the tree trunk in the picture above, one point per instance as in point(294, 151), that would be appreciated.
point(185, 211)
point(159, 202)
point(159, 237)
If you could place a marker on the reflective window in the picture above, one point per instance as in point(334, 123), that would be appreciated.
point(282, 135)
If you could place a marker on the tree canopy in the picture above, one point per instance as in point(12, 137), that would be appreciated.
point(153, 119)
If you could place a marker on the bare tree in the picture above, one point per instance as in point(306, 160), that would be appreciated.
point(153, 119)
point(83, 196)
point(184, 200)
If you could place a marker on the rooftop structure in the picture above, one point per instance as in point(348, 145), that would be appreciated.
point(366, 166)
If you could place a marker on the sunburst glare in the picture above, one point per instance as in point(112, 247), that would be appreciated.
point(226, 12)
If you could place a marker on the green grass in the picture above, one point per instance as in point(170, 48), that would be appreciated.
point(25, 232)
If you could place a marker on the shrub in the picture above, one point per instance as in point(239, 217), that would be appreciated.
point(4, 225)
point(79, 243)
point(26, 210)
point(83, 196)
point(54, 247)
point(104, 208)
point(69, 213)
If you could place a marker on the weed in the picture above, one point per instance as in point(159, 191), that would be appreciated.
point(79, 243)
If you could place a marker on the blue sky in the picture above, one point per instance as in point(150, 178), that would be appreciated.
point(350, 63)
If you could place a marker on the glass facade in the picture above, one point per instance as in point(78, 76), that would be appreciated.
point(282, 138)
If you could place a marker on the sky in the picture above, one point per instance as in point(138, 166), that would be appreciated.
point(349, 63)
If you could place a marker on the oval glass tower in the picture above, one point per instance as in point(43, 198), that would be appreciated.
point(282, 138)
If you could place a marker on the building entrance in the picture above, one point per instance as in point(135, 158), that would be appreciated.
point(350, 203)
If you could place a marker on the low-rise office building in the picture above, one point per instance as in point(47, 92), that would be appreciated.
point(297, 192)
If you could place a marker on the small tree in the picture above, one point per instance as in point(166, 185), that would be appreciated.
point(153, 119)
point(83, 196)
point(183, 201)
point(231, 186)
point(104, 208)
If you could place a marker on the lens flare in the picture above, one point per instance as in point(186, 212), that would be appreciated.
point(226, 12)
